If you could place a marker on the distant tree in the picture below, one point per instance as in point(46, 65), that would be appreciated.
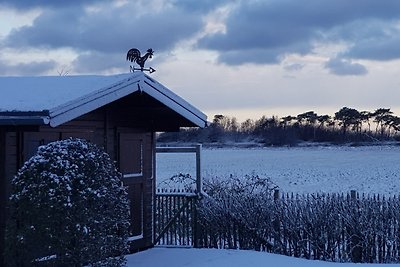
point(218, 119)
point(347, 117)
point(396, 124)
point(306, 123)
point(247, 126)
point(323, 119)
point(265, 123)
point(285, 121)
point(260, 124)
point(331, 123)
point(380, 114)
point(366, 116)
point(216, 131)
point(301, 118)
point(391, 122)
point(311, 117)
point(232, 125)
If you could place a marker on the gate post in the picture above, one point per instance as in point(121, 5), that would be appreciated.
point(196, 226)
point(199, 191)
point(199, 182)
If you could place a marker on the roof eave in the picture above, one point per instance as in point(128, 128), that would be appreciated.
point(24, 120)
point(175, 102)
point(86, 104)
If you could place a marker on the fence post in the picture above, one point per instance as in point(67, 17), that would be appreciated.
point(353, 195)
point(276, 194)
point(199, 191)
point(277, 248)
point(199, 182)
point(356, 249)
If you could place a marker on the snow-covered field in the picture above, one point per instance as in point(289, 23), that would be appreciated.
point(181, 257)
point(370, 169)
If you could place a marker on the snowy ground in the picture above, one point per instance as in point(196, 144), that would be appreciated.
point(374, 169)
point(181, 257)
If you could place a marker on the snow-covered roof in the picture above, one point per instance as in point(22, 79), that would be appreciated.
point(55, 100)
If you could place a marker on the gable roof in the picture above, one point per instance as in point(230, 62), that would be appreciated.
point(55, 100)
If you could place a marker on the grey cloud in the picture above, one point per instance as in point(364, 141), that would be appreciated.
point(28, 4)
point(32, 68)
point(258, 55)
point(287, 26)
point(200, 6)
point(52, 29)
point(241, 50)
point(260, 32)
point(293, 67)
point(343, 67)
point(189, 5)
point(95, 62)
point(253, 26)
point(380, 48)
point(112, 30)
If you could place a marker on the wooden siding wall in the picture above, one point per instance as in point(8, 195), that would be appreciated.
point(3, 192)
point(97, 127)
point(8, 168)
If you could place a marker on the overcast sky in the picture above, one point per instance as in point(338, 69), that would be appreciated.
point(240, 58)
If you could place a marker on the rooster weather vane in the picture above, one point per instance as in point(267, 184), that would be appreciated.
point(133, 55)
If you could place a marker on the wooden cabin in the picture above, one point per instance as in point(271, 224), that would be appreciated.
point(120, 113)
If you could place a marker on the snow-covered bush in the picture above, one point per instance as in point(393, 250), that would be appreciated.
point(68, 208)
point(179, 182)
point(237, 204)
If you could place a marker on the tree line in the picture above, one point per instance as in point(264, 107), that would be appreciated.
point(346, 125)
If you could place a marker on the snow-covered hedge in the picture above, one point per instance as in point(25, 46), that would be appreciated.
point(68, 208)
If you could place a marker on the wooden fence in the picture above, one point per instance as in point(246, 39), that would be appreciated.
point(333, 227)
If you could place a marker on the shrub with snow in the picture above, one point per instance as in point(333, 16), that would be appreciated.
point(68, 208)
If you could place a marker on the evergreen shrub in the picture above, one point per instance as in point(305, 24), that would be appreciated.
point(68, 208)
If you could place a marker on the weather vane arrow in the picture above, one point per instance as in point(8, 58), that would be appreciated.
point(134, 55)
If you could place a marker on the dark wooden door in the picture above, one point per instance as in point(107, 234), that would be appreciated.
point(131, 163)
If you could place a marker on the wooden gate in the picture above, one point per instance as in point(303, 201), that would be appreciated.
point(175, 219)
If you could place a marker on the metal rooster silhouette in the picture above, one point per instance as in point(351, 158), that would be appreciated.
point(133, 55)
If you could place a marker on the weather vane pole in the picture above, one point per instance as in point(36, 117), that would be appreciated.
point(133, 55)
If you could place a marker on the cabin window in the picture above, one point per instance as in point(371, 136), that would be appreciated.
point(131, 155)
